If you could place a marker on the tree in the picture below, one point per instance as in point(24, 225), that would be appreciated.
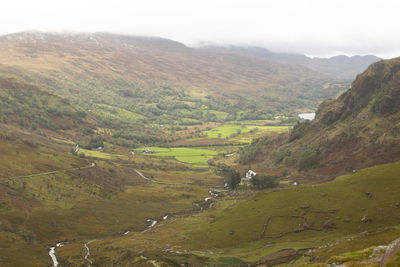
point(96, 142)
point(232, 177)
point(262, 181)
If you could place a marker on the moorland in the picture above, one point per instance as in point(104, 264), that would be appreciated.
point(131, 151)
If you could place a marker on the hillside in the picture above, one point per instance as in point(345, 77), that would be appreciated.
point(358, 129)
point(307, 225)
point(340, 66)
point(27, 107)
point(131, 73)
point(29, 111)
point(164, 131)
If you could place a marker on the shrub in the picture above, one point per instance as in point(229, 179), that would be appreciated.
point(308, 161)
point(262, 181)
point(231, 176)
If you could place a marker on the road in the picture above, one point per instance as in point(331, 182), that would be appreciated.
point(47, 173)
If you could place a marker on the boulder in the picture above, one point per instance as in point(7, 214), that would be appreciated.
point(368, 194)
point(329, 224)
point(366, 219)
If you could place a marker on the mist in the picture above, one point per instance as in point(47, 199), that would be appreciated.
point(311, 27)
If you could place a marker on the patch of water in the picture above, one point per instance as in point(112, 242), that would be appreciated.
point(307, 116)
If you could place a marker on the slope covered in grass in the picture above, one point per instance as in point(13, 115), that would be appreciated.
point(320, 221)
point(26, 105)
point(122, 70)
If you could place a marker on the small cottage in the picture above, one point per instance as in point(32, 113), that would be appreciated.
point(249, 174)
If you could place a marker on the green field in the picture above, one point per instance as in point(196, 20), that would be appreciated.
point(100, 154)
point(228, 130)
point(196, 156)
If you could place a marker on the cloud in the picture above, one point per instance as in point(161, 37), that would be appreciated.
point(313, 27)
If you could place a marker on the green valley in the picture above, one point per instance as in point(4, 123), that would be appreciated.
point(120, 150)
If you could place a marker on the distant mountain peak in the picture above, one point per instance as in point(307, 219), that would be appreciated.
point(340, 66)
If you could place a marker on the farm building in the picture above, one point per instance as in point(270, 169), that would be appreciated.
point(249, 174)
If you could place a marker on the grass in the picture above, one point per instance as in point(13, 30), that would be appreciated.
point(232, 228)
point(117, 112)
point(197, 156)
point(25, 158)
point(101, 154)
point(382, 181)
point(226, 130)
point(101, 201)
point(239, 133)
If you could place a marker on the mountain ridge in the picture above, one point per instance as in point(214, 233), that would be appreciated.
point(340, 66)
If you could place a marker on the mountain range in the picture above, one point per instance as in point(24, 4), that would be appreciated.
point(73, 65)
point(339, 66)
point(122, 150)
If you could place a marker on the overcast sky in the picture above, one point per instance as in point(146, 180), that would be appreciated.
point(312, 27)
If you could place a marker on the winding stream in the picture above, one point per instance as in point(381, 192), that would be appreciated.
point(52, 253)
point(88, 253)
point(153, 222)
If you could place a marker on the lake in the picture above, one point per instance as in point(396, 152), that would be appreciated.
point(307, 116)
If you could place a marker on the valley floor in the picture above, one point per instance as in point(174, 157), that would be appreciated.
point(169, 208)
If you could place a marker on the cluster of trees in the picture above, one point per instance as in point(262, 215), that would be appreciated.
point(304, 158)
point(177, 104)
point(263, 181)
point(32, 108)
point(95, 142)
point(232, 177)
point(249, 153)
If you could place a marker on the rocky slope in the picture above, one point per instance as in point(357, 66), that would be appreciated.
point(360, 128)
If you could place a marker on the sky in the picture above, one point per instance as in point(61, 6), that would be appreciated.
point(313, 27)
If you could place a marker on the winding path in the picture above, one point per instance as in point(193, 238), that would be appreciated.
point(47, 173)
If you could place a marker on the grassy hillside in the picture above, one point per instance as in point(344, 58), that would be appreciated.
point(48, 196)
point(27, 106)
point(153, 76)
point(195, 109)
point(351, 213)
point(27, 109)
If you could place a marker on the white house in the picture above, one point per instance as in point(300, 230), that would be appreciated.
point(250, 174)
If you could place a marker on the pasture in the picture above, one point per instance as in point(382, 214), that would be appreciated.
point(195, 156)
